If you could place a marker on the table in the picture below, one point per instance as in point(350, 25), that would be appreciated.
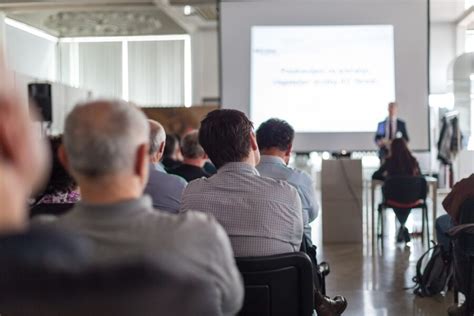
point(432, 182)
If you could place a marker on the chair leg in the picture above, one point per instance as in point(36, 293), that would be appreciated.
point(423, 220)
point(469, 309)
point(427, 226)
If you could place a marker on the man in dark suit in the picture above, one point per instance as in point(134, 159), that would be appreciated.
point(389, 129)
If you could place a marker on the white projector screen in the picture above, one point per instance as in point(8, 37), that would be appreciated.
point(307, 69)
point(328, 67)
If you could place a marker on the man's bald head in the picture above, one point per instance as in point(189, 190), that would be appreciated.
point(157, 137)
point(102, 137)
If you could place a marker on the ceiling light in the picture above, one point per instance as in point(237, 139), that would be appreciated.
point(188, 10)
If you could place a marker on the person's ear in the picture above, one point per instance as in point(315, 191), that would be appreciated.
point(253, 142)
point(63, 158)
point(141, 163)
point(289, 150)
point(161, 150)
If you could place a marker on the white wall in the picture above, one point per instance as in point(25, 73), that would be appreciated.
point(442, 53)
point(29, 54)
point(205, 59)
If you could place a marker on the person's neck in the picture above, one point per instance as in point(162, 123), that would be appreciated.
point(197, 162)
point(274, 152)
point(110, 190)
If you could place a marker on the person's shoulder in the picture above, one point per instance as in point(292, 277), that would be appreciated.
point(167, 178)
point(191, 222)
point(275, 185)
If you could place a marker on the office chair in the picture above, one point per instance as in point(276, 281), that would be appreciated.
point(278, 285)
point(404, 192)
point(463, 252)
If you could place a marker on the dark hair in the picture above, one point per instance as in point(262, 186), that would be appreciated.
point(401, 162)
point(59, 179)
point(225, 136)
point(170, 145)
point(275, 133)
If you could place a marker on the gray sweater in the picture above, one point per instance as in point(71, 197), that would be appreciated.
point(133, 230)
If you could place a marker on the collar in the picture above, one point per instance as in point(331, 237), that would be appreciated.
point(118, 208)
point(158, 167)
point(238, 167)
point(272, 160)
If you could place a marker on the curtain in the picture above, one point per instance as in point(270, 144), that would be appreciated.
point(156, 73)
point(100, 68)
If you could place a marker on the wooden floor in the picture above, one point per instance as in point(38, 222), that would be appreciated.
point(373, 280)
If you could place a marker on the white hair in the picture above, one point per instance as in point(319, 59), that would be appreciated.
point(157, 136)
point(102, 137)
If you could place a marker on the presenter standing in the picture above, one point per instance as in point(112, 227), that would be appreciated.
point(389, 129)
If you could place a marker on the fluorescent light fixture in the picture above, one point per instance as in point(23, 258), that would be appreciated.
point(188, 80)
point(188, 10)
point(29, 29)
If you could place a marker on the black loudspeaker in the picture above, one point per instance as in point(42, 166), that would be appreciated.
point(40, 94)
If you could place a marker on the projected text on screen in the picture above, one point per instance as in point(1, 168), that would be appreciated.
point(322, 78)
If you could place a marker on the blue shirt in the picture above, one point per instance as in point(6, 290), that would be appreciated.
point(165, 189)
point(274, 167)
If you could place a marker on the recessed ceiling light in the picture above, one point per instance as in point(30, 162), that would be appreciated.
point(188, 10)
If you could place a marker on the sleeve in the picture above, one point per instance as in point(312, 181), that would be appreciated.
point(298, 219)
point(228, 278)
point(380, 133)
point(405, 132)
point(308, 196)
point(381, 172)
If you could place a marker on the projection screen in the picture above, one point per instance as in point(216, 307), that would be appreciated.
point(327, 67)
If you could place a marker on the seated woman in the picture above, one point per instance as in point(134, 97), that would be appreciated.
point(400, 162)
point(61, 187)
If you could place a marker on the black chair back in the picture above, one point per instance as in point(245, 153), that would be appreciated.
point(405, 189)
point(55, 209)
point(278, 285)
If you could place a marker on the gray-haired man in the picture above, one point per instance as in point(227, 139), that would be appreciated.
point(106, 149)
point(194, 160)
point(165, 189)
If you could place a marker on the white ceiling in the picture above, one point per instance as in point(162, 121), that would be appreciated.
point(441, 11)
point(446, 10)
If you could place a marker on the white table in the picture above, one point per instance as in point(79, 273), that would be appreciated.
point(432, 182)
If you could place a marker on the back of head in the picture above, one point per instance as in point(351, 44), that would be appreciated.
point(101, 138)
point(275, 133)
point(225, 136)
point(190, 147)
point(402, 161)
point(59, 179)
point(157, 136)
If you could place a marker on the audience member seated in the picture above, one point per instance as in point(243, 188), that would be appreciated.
point(165, 189)
point(20, 175)
point(172, 157)
point(194, 158)
point(400, 162)
point(61, 187)
point(275, 141)
point(460, 192)
point(106, 149)
point(261, 215)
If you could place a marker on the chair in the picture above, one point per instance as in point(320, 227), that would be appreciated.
point(134, 289)
point(278, 285)
point(55, 209)
point(463, 245)
point(405, 192)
